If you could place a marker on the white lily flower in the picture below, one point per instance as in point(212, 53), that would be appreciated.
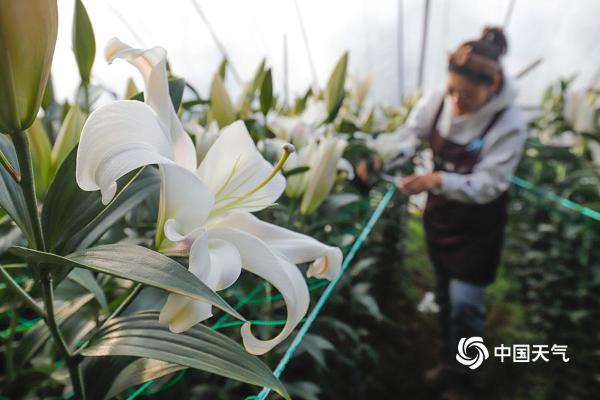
point(204, 211)
point(372, 120)
point(388, 146)
point(300, 130)
point(290, 129)
point(296, 184)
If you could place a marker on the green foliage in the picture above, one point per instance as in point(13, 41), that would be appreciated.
point(135, 263)
point(141, 335)
point(335, 91)
point(12, 200)
point(84, 42)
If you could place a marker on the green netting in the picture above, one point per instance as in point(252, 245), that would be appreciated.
point(562, 201)
point(329, 290)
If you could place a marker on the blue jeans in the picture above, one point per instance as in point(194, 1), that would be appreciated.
point(462, 314)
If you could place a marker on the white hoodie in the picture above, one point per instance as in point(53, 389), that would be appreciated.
point(501, 150)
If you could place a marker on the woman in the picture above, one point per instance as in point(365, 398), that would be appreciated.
point(477, 138)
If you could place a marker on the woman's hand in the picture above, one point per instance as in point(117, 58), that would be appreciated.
point(419, 183)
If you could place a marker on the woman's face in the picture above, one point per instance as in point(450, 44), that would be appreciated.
point(468, 97)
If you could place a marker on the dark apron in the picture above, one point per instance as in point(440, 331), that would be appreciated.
point(464, 240)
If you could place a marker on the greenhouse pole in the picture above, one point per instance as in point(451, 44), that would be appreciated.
point(509, 13)
point(307, 46)
point(423, 44)
point(220, 46)
point(286, 88)
point(400, 52)
point(529, 68)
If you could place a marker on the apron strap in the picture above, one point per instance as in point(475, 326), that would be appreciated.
point(492, 122)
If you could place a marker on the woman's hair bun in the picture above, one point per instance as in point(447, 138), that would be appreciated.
point(494, 37)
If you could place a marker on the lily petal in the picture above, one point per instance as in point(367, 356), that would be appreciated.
point(284, 276)
point(217, 264)
point(233, 168)
point(116, 139)
point(181, 313)
point(152, 64)
point(225, 264)
point(184, 207)
point(295, 247)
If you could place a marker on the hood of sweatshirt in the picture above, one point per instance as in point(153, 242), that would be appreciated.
point(466, 127)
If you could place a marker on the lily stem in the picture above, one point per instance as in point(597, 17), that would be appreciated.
point(21, 144)
point(9, 346)
point(71, 362)
point(128, 300)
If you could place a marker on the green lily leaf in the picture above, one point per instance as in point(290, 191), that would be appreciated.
point(68, 136)
point(334, 92)
point(140, 371)
point(248, 93)
point(266, 93)
point(99, 373)
point(11, 195)
point(86, 279)
point(73, 218)
point(41, 149)
point(259, 76)
point(135, 263)
point(84, 43)
point(141, 335)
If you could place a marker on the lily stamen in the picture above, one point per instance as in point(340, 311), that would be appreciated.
point(287, 150)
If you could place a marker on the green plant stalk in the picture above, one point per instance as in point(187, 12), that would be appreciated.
point(21, 144)
point(9, 352)
point(127, 301)
point(19, 291)
point(72, 362)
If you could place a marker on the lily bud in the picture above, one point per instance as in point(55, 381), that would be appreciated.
point(320, 178)
point(28, 31)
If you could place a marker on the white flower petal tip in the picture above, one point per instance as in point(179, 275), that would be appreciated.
point(112, 48)
point(181, 313)
point(172, 233)
point(328, 266)
point(258, 258)
point(108, 193)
